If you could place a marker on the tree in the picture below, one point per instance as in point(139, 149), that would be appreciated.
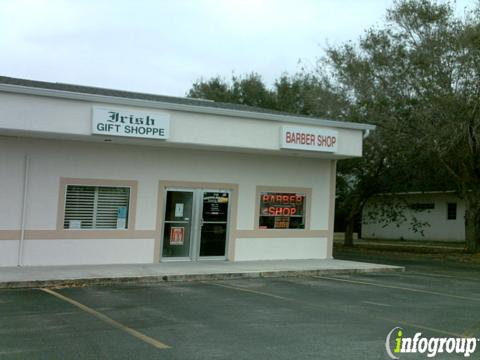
point(215, 88)
point(246, 90)
point(315, 94)
point(302, 93)
point(309, 94)
point(419, 78)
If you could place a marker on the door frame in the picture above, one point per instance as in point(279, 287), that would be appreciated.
point(192, 223)
point(191, 185)
point(197, 242)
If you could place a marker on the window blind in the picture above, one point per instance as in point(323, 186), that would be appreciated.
point(94, 207)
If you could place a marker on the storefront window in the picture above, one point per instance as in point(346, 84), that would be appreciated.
point(96, 207)
point(282, 210)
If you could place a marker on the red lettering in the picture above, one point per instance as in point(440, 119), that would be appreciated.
point(327, 141)
point(308, 139)
point(282, 198)
point(288, 137)
point(281, 211)
point(301, 138)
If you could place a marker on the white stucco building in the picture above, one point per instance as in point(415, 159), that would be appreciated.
point(97, 176)
point(443, 211)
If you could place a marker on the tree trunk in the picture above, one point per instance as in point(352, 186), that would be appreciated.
point(349, 224)
point(472, 227)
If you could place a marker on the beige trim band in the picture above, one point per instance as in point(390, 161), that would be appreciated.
point(132, 184)
point(274, 233)
point(148, 234)
point(10, 234)
point(77, 234)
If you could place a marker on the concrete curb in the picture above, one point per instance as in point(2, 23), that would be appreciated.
point(99, 281)
point(404, 247)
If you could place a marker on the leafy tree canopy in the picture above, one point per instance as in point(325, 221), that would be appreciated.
point(417, 77)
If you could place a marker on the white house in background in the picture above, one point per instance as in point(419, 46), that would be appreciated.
point(443, 210)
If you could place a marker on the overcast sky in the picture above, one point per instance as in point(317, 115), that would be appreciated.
point(162, 47)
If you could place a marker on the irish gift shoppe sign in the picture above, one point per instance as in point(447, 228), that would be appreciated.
point(130, 123)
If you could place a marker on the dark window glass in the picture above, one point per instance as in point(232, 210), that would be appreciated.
point(452, 211)
point(282, 210)
point(422, 206)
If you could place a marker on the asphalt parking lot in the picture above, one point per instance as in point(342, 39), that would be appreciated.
point(335, 317)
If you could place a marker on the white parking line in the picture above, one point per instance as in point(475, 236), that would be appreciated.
point(436, 274)
point(375, 303)
point(329, 308)
point(399, 288)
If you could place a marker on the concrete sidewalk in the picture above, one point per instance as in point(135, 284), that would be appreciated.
point(40, 276)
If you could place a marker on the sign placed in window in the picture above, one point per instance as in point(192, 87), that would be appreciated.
point(215, 206)
point(75, 224)
point(282, 210)
point(177, 235)
point(308, 139)
point(282, 222)
point(179, 210)
point(122, 217)
point(131, 123)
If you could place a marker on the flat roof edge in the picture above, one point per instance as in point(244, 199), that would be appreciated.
point(19, 89)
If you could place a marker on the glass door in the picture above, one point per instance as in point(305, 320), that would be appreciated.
point(214, 223)
point(177, 233)
point(195, 224)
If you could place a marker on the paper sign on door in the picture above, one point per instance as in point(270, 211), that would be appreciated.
point(179, 210)
point(177, 235)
